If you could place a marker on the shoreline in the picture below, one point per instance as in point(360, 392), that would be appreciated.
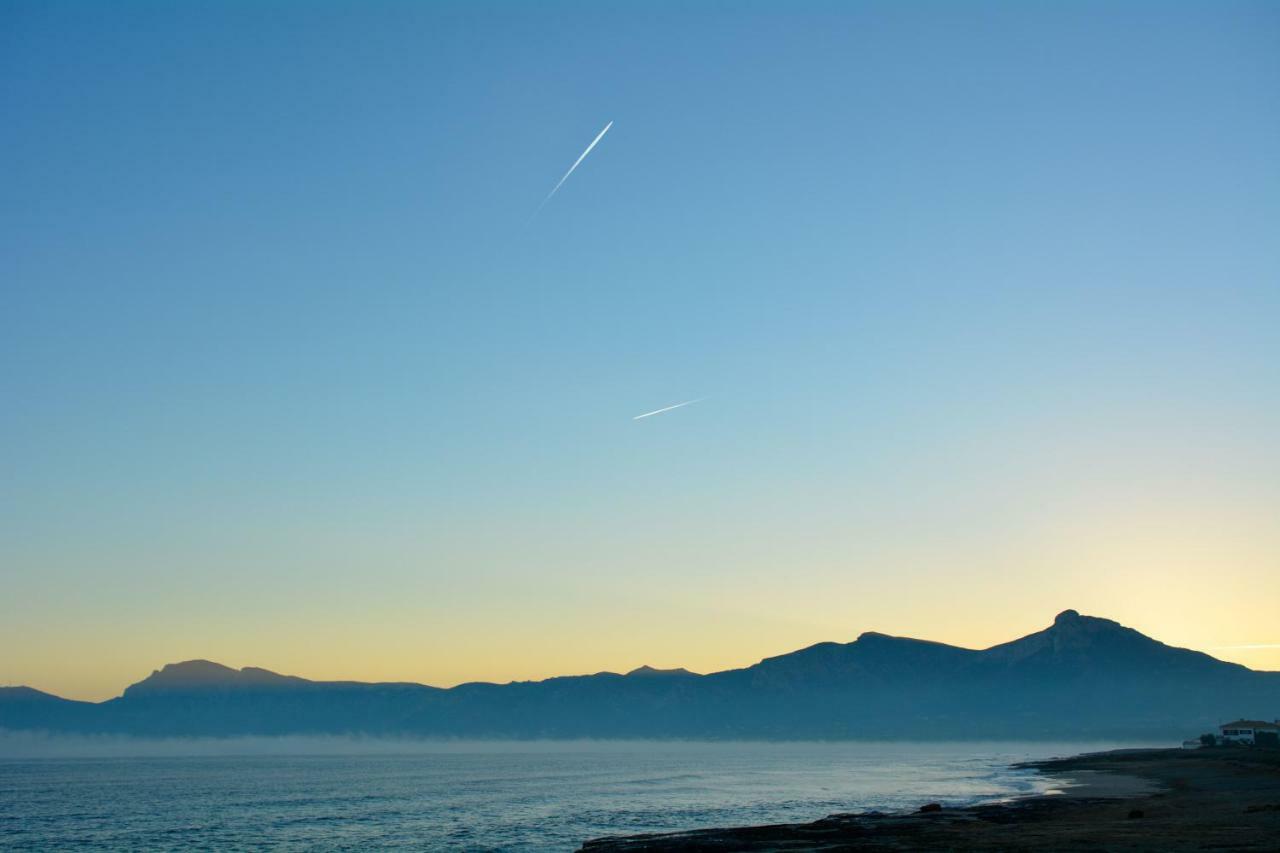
point(1095, 775)
point(1130, 799)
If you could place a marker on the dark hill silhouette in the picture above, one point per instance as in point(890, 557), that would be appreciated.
point(196, 674)
point(26, 708)
point(1082, 677)
point(1078, 645)
point(649, 672)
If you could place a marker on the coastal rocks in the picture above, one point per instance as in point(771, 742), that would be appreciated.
point(1203, 810)
point(1267, 807)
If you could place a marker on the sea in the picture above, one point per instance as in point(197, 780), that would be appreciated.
point(360, 794)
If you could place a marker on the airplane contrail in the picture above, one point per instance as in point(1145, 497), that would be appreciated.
point(668, 408)
point(581, 157)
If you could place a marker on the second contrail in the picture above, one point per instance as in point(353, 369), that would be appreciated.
point(668, 408)
point(581, 157)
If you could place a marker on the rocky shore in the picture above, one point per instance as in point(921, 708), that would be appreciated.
point(1151, 800)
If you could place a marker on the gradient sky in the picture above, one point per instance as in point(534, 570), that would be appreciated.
point(985, 300)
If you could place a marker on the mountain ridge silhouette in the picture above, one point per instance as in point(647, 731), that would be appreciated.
point(1083, 676)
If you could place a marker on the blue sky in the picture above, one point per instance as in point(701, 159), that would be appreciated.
point(983, 298)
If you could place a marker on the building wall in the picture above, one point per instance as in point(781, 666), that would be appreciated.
point(1237, 735)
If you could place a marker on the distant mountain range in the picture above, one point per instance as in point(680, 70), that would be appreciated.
point(1082, 677)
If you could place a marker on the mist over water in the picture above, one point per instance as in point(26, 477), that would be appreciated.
point(294, 793)
point(14, 745)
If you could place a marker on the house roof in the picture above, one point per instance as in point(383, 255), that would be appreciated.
point(1251, 724)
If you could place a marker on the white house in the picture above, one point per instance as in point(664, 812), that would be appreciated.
point(1243, 731)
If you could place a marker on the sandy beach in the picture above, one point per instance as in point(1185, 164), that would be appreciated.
point(1167, 800)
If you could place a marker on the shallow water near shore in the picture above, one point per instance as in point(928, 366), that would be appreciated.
point(338, 793)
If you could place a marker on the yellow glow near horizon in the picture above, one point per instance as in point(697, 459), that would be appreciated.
point(685, 600)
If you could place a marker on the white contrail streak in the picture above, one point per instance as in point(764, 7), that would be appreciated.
point(581, 157)
point(668, 408)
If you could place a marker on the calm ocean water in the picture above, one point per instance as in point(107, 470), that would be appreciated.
point(340, 794)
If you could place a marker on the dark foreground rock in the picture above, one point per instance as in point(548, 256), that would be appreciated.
point(1165, 800)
